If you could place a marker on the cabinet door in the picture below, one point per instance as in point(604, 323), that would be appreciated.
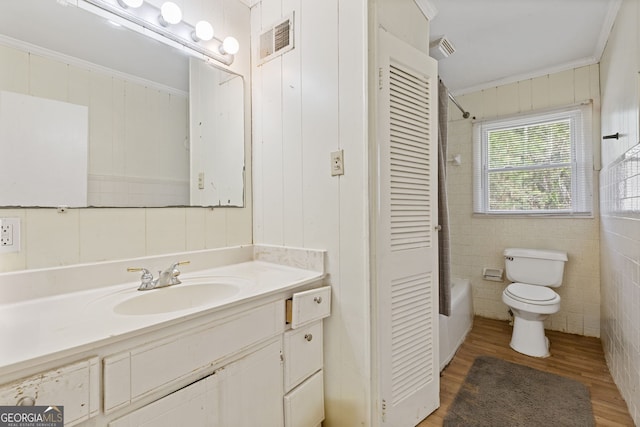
point(252, 389)
point(75, 386)
point(406, 294)
point(196, 405)
point(304, 406)
point(247, 392)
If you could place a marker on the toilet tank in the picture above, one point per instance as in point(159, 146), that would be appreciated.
point(535, 266)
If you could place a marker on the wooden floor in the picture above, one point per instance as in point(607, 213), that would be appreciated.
point(573, 356)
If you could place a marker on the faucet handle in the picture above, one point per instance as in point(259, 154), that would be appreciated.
point(181, 263)
point(174, 272)
point(147, 277)
point(174, 267)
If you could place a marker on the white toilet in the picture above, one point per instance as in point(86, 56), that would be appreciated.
point(529, 297)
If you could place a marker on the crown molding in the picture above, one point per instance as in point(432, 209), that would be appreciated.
point(582, 62)
point(607, 26)
point(427, 8)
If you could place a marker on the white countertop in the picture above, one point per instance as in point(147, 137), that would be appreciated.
point(36, 330)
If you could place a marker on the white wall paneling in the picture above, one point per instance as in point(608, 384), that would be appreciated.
point(307, 103)
point(292, 142)
point(273, 172)
point(354, 293)
point(256, 130)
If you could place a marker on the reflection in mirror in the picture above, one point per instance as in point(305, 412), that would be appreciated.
point(136, 91)
point(217, 120)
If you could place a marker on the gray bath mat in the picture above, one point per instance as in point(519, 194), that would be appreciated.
point(499, 393)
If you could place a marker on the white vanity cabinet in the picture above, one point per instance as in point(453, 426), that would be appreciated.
point(75, 386)
point(303, 358)
point(304, 383)
point(246, 392)
point(166, 364)
point(256, 369)
point(253, 358)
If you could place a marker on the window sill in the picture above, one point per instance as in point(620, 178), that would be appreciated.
point(532, 215)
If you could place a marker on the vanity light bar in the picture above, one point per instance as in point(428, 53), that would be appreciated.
point(146, 16)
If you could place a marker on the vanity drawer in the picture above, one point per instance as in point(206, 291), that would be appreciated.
point(75, 386)
point(131, 375)
point(302, 354)
point(308, 306)
point(304, 406)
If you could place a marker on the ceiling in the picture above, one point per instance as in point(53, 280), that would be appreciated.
point(503, 41)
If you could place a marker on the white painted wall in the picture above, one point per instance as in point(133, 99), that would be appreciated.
point(52, 239)
point(478, 242)
point(307, 103)
point(620, 231)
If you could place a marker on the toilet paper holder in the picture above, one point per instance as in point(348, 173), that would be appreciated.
point(493, 274)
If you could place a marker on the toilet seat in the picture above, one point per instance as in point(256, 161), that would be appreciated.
point(532, 294)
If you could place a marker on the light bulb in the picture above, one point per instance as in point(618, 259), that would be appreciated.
point(230, 45)
point(170, 13)
point(130, 3)
point(203, 31)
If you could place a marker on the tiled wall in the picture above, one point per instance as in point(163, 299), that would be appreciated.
point(620, 207)
point(123, 191)
point(478, 241)
point(52, 239)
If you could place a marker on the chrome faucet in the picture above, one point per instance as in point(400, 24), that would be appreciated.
point(167, 277)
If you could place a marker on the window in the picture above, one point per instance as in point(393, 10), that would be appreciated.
point(534, 164)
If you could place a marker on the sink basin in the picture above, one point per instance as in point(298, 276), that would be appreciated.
point(175, 298)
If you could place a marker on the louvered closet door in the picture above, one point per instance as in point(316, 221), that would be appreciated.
point(406, 250)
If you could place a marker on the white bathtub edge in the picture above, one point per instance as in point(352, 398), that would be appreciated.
point(454, 329)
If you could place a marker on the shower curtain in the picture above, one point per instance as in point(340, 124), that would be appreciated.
point(444, 249)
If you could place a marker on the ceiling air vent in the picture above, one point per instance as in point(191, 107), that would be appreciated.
point(276, 40)
point(441, 48)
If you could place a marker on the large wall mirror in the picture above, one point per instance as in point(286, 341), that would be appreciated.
point(161, 126)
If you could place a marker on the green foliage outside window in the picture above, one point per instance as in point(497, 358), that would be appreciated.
point(529, 167)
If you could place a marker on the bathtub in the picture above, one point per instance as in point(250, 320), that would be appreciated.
point(454, 328)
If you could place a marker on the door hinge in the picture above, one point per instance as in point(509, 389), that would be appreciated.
point(384, 410)
point(380, 78)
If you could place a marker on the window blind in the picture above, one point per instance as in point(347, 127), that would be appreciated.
point(539, 163)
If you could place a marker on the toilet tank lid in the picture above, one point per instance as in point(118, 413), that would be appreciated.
point(536, 253)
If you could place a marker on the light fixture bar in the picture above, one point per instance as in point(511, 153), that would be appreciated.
point(179, 33)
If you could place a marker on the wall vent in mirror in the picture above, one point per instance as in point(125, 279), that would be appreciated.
point(277, 39)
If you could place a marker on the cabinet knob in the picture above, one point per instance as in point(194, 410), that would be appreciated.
point(26, 401)
point(308, 337)
point(318, 299)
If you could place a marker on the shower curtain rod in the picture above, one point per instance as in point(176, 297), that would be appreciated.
point(465, 114)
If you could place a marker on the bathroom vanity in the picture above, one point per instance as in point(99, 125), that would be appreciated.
point(237, 343)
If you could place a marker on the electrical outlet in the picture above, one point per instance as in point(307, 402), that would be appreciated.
point(337, 163)
point(6, 234)
point(201, 181)
point(9, 235)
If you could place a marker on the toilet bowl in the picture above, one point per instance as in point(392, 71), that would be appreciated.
point(530, 305)
point(530, 299)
